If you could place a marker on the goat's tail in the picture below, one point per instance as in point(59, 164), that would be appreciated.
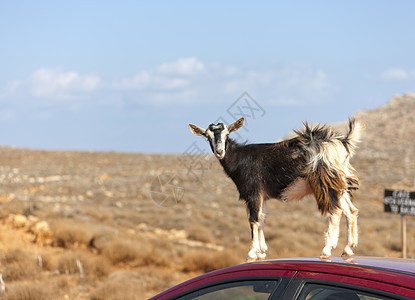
point(328, 170)
point(353, 134)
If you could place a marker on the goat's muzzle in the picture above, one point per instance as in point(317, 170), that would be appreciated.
point(220, 153)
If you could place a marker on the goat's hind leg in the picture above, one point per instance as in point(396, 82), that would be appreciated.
point(332, 234)
point(350, 212)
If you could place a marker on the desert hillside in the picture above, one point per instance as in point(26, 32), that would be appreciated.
point(387, 151)
point(102, 225)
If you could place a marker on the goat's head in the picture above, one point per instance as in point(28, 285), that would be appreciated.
point(217, 135)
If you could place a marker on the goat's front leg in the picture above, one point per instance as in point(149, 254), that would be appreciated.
point(262, 244)
point(332, 235)
point(255, 251)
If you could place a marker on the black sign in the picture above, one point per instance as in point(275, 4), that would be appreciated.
point(399, 202)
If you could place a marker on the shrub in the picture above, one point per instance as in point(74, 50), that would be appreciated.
point(206, 261)
point(124, 251)
point(120, 251)
point(19, 265)
point(100, 239)
point(119, 286)
point(200, 233)
point(93, 266)
point(67, 234)
point(156, 280)
point(47, 261)
point(28, 291)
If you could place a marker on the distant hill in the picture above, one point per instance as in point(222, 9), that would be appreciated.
point(390, 129)
point(386, 154)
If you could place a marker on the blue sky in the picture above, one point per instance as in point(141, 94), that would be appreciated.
point(130, 75)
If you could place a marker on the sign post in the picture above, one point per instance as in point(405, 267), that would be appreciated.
point(403, 223)
point(400, 202)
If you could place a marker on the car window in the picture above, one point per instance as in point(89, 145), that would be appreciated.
point(323, 292)
point(241, 290)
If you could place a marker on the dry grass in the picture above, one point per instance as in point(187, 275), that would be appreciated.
point(121, 251)
point(68, 234)
point(92, 265)
point(157, 280)
point(200, 233)
point(206, 260)
point(28, 291)
point(19, 265)
point(101, 238)
point(47, 261)
point(12, 207)
point(133, 285)
point(144, 253)
point(119, 286)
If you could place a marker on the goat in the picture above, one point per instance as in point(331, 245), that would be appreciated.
point(314, 162)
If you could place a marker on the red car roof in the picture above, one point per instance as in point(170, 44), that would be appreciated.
point(356, 266)
point(392, 264)
point(392, 271)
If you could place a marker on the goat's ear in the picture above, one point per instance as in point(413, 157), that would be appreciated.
point(235, 126)
point(197, 130)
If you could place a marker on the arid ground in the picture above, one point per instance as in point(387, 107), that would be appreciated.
point(103, 225)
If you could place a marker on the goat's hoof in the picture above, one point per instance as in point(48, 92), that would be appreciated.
point(326, 253)
point(347, 252)
point(325, 257)
point(349, 260)
point(252, 256)
point(261, 255)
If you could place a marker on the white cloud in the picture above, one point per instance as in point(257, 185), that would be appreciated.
point(139, 81)
point(151, 81)
point(397, 74)
point(183, 66)
point(184, 81)
point(50, 83)
point(282, 85)
point(189, 80)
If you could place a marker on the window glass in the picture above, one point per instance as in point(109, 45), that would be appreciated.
point(323, 292)
point(241, 290)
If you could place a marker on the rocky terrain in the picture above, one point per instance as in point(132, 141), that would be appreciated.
point(103, 225)
point(387, 151)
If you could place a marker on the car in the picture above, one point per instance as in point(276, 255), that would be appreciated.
point(365, 278)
